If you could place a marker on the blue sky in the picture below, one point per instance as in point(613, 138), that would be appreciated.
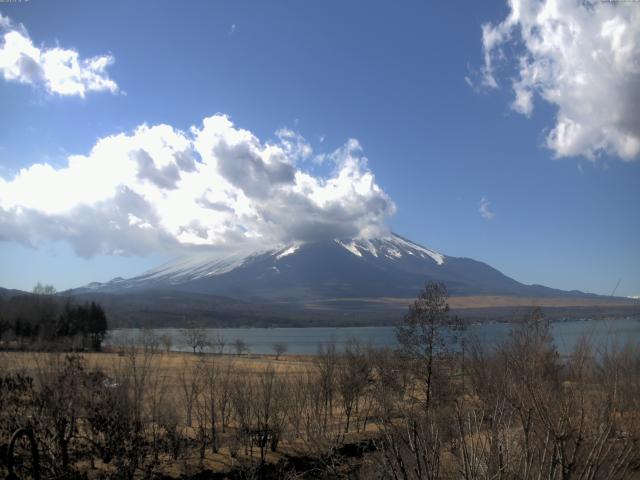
point(409, 81)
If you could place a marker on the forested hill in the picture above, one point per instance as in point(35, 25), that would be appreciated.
point(44, 318)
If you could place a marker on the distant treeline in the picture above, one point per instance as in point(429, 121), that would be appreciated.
point(166, 309)
point(43, 318)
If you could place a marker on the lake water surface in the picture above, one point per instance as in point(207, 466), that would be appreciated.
point(602, 333)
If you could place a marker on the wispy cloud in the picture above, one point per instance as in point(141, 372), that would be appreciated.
point(215, 186)
point(57, 70)
point(581, 57)
point(484, 209)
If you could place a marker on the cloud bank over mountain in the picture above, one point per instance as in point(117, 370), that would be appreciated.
point(581, 57)
point(216, 186)
point(57, 70)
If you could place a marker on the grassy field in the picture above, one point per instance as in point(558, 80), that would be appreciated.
point(171, 368)
point(169, 376)
point(160, 413)
point(490, 301)
point(168, 364)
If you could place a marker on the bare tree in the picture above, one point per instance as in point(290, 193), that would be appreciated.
point(223, 391)
point(298, 393)
point(327, 367)
point(209, 402)
point(414, 429)
point(41, 289)
point(421, 336)
point(279, 349)
point(539, 417)
point(158, 414)
point(241, 395)
point(149, 341)
point(218, 342)
point(167, 342)
point(129, 397)
point(240, 346)
point(58, 403)
point(269, 411)
point(189, 381)
point(195, 337)
point(353, 376)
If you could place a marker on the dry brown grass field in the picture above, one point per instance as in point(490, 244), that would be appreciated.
point(169, 367)
point(168, 375)
point(168, 364)
point(508, 412)
point(490, 301)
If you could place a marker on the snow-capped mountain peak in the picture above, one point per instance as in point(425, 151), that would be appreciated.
point(364, 268)
point(201, 266)
point(393, 247)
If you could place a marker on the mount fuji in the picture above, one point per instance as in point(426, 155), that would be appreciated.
point(338, 281)
point(389, 266)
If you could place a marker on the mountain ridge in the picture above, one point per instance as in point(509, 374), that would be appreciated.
point(375, 267)
point(339, 282)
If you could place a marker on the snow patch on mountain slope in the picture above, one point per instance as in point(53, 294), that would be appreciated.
point(393, 253)
point(351, 246)
point(195, 267)
point(287, 251)
point(392, 247)
point(368, 246)
point(409, 246)
point(203, 265)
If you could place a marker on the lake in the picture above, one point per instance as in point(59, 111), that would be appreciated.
point(307, 340)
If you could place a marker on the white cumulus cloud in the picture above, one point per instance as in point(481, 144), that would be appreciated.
point(583, 57)
point(484, 209)
point(215, 186)
point(58, 70)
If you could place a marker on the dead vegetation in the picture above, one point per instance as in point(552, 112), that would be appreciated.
point(517, 411)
